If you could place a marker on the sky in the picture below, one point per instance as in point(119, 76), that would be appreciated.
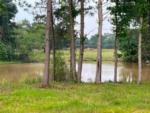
point(91, 26)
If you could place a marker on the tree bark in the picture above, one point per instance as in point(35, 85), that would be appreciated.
point(54, 48)
point(72, 43)
point(116, 46)
point(48, 37)
point(82, 38)
point(99, 45)
point(140, 53)
point(116, 60)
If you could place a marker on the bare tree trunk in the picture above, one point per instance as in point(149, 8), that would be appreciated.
point(116, 60)
point(99, 45)
point(54, 48)
point(48, 36)
point(54, 56)
point(82, 38)
point(72, 44)
point(116, 46)
point(140, 54)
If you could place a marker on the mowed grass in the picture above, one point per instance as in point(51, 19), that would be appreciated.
point(90, 55)
point(75, 98)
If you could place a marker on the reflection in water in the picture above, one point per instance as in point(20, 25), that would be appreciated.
point(18, 72)
point(126, 72)
point(89, 71)
point(129, 72)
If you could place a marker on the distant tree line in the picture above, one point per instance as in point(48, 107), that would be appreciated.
point(107, 41)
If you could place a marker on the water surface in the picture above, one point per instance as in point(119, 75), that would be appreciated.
point(126, 72)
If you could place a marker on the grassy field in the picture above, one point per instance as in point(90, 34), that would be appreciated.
point(75, 98)
point(9, 62)
point(89, 55)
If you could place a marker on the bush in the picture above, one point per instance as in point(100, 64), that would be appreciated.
point(3, 51)
point(61, 68)
point(6, 52)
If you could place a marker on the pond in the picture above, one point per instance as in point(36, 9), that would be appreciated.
point(126, 72)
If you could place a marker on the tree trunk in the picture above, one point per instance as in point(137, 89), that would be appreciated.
point(82, 38)
point(116, 45)
point(99, 45)
point(149, 19)
point(54, 48)
point(140, 53)
point(72, 43)
point(116, 60)
point(48, 36)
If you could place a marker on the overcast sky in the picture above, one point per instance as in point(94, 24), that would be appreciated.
point(91, 26)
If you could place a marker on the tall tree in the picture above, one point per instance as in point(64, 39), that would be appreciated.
point(82, 38)
point(99, 44)
point(133, 13)
point(72, 43)
point(140, 52)
point(116, 45)
point(48, 37)
point(54, 45)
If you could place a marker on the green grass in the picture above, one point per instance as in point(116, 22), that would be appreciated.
point(89, 55)
point(9, 62)
point(75, 98)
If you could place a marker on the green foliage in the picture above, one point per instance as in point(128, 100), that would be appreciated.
point(61, 69)
point(29, 38)
point(126, 15)
point(7, 12)
point(3, 51)
point(128, 46)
